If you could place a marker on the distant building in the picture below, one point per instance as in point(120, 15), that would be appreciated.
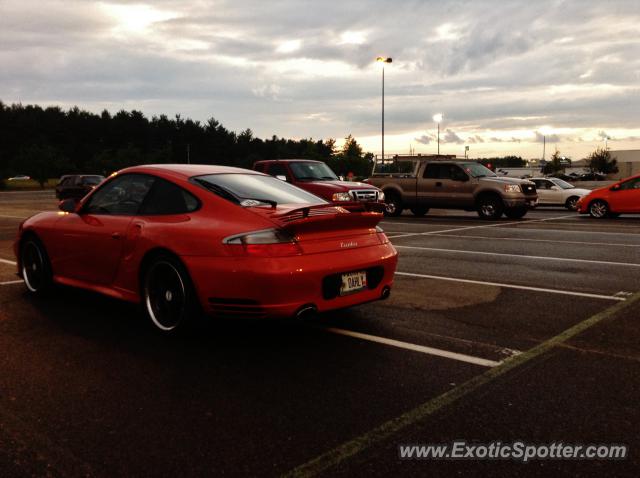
point(628, 162)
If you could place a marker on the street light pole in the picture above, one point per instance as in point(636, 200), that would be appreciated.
point(438, 118)
point(382, 61)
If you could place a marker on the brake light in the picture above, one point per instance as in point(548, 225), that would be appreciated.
point(265, 243)
point(382, 237)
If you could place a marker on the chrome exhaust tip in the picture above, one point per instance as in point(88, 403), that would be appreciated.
point(306, 311)
point(386, 292)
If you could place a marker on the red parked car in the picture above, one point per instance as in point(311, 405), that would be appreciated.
point(187, 238)
point(319, 179)
point(621, 198)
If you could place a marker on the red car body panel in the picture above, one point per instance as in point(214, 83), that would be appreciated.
point(326, 189)
point(620, 200)
point(105, 253)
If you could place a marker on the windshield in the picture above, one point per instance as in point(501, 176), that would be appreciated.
point(562, 184)
point(312, 172)
point(92, 180)
point(477, 170)
point(239, 188)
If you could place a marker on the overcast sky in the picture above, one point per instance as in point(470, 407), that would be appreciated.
point(504, 73)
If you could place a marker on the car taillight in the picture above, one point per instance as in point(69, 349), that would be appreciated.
point(382, 237)
point(265, 243)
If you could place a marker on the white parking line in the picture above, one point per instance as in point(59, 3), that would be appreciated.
point(12, 217)
point(466, 228)
point(5, 261)
point(521, 256)
point(513, 286)
point(416, 348)
point(495, 238)
point(9, 282)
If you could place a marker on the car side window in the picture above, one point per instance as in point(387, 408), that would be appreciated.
point(456, 172)
point(542, 184)
point(168, 198)
point(432, 171)
point(279, 170)
point(632, 184)
point(123, 195)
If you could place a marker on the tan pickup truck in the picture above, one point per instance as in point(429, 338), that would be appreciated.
point(420, 183)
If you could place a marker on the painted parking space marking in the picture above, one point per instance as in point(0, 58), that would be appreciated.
point(521, 256)
point(481, 226)
point(615, 297)
point(391, 427)
point(416, 348)
point(6, 261)
point(496, 238)
point(11, 282)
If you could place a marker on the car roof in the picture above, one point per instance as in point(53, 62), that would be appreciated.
point(186, 171)
point(288, 161)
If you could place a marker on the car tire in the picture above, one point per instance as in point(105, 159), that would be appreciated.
point(489, 207)
point(572, 203)
point(168, 295)
point(516, 212)
point(419, 211)
point(599, 209)
point(394, 205)
point(35, 266)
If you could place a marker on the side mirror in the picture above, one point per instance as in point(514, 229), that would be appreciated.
point(68, 205)
point(554, 188)
point(615, 187)
point(281, 177)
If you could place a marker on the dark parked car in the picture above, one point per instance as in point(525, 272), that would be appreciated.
point(77, 186)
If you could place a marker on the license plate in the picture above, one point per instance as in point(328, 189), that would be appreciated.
point(353, 282)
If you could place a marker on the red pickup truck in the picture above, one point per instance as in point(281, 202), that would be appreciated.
point(318, 178)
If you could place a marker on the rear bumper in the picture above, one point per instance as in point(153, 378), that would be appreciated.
point(280, 287)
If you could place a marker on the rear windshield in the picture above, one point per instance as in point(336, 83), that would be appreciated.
point(92, 180)
point(242, 188)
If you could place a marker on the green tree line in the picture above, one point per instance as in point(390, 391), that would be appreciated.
point(48, 142)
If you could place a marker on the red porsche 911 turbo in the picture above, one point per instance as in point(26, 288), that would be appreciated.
point(181, 239)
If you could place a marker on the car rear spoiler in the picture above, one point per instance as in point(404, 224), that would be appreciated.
point(326, 218)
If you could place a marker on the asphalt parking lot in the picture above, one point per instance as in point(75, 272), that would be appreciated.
point(500, 330)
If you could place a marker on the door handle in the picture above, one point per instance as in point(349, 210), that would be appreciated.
point(439, 184)
point(115, 235)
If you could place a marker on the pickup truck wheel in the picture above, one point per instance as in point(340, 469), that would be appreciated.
point(394, 204)
point(490, 207)
point(419, 211)
point(572, 203)
point(516, 212)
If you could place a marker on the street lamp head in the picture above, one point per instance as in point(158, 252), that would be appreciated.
point(382, 59)
point(437, 117)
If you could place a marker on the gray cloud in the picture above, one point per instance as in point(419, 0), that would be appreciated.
point(549, 138)
point(451, 137)
point(425, 139)
point(488, 65)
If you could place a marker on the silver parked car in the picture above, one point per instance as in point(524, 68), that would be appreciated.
point(556, 192)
